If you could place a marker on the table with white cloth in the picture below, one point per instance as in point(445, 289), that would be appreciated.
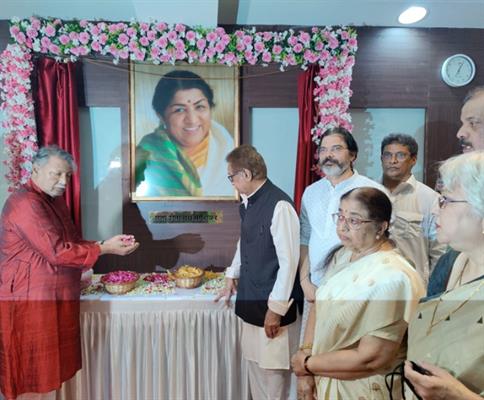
point(164, 346)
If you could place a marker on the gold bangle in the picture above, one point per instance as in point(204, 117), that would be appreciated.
point(306, 346)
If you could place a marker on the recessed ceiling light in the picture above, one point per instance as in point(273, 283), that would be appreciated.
point(412, 15)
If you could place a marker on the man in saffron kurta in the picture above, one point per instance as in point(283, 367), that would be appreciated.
point(41, 261)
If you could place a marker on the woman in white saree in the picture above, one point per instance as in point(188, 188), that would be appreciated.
point(356, 328)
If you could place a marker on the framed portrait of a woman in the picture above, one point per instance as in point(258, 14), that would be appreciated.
point(184, 120)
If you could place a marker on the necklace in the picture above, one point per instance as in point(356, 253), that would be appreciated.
point(434, 323)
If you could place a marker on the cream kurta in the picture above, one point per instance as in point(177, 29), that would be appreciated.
point(375, 295)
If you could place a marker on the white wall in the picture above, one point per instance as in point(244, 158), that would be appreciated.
point(101, 183)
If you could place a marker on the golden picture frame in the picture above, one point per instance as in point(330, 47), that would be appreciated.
point(183, 121)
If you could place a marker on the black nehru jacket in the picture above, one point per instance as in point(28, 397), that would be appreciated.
point(259, 263)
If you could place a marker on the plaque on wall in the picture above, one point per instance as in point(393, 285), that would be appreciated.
point(186, 217)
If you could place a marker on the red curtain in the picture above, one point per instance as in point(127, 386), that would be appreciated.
point(306, 148)
point(57, 119)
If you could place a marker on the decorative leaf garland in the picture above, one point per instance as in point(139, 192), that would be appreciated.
point(157, 42)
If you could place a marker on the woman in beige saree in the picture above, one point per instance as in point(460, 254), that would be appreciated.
point(446, 337)
point(356, 328)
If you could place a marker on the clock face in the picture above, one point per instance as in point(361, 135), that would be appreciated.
point(458, 70)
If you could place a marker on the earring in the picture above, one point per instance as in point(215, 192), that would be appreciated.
point(377, 237)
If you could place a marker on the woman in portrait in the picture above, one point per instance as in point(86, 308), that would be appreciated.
point(356, 327)
point(446, 336)
point(184, 156)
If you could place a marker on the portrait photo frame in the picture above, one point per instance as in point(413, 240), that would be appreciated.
point(183, 121)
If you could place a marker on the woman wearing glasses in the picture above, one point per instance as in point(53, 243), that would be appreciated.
point(356, 326)
point(447, 336)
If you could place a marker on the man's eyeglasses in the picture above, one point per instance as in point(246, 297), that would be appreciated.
point(351, 222)
point(333, 149)
point(443, 201)
point(231, 177)
point(400, 156)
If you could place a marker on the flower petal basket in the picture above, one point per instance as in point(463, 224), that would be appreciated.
point(188, 277)
point(119, 282)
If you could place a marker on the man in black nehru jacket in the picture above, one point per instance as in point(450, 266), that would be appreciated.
point(265, 266)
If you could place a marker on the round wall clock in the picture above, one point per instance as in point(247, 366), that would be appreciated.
point(458, 70)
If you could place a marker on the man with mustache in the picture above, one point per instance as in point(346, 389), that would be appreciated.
point(471, 133)
point(337, 152)
point(42, 257)
point(413, 228)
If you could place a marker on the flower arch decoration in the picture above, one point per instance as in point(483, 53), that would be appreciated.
point(332, 48)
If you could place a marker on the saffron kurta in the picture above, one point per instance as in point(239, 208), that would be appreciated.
point(41, 260)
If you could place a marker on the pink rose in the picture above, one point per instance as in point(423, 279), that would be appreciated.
point(49, 30)
point(180, 55)
point(112, 28)
point(144, 41)
point(267, 36)
point(225, 39)
point(247, 40)
point(144, 26)
point(103, 38)
point(276, 49)
point(123, 39)
point(292, 40)
point(172, 36)
point(96, 46)
point(180, 28)
point(83, 23)
point(45, 42)
point(14, 30)
point(240, 46)
point(345, 35)
point(201, 43)
point(64, 39)
point(304, 37)
point(162, 42)
point(298, 48)
point(31, 33)
point(220, 47)
point(193, 54)
point(239, 34)
point(155, 52)
point(259, 46)
point(124, 54)
point(202, 59)
point(160, 26)
point(83, 51)
point(84, 38)
point(151, 35)
point(74, 35)
point(35, 23)
point(210, 52)
point(314, 29)
point(131, 32)
point(54, 49)
point(211, 36)
point(333, 43)
point(140, 55)
point(95, 30)
point(220, 31)
point(266, 57)
point(352, 42)
point(190, 35)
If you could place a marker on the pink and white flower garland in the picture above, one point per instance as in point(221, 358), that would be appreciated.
point(333, 49)
point(19, 124)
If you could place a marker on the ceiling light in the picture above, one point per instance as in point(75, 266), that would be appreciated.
point(412, 15)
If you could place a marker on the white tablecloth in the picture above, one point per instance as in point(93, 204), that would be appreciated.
point(179, 346)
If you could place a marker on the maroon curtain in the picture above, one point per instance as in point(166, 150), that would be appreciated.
point(57, 118)
point(306, 148)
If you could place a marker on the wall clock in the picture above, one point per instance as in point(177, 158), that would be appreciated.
point(458, 70)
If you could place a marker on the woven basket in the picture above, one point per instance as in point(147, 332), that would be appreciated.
point(119, 288)
point(188, 283)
